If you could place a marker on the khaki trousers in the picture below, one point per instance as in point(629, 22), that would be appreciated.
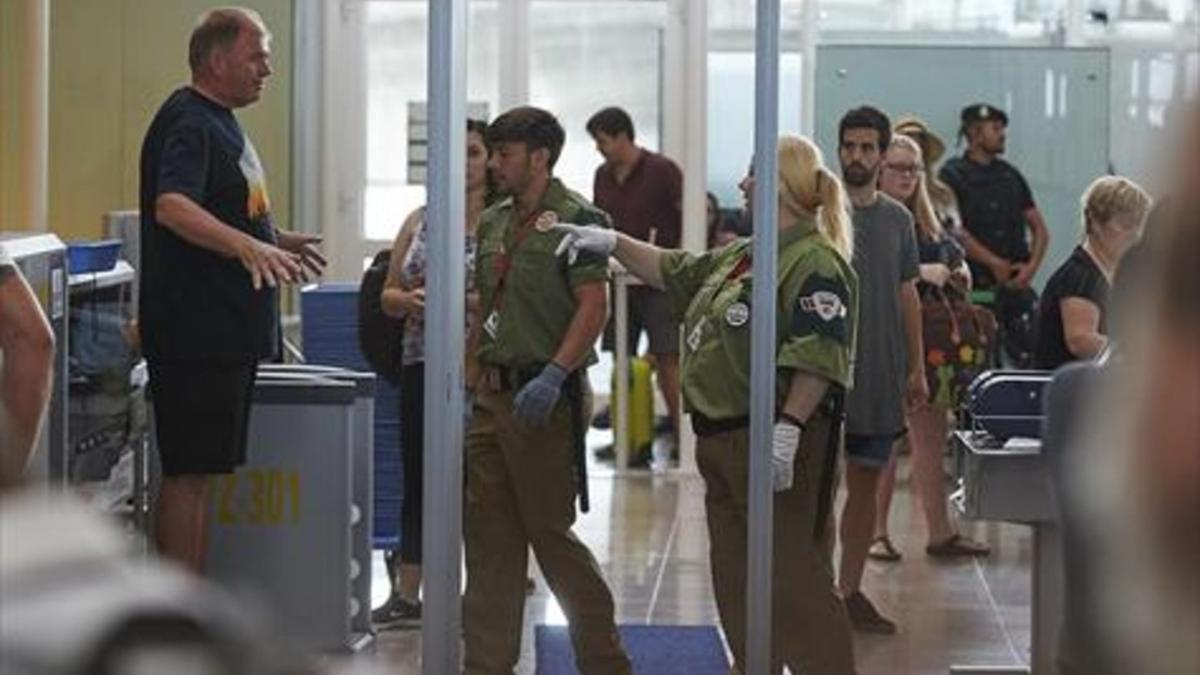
point(810, 630)
point(521, 494)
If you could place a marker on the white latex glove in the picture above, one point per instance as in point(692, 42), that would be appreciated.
point(589, 238)
point(785, 440)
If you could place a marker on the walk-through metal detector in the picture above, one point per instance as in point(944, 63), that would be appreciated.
point(444, 318)
point(762, 336)
point(445, 286)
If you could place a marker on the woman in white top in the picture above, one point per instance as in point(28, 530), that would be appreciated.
point(404, 297)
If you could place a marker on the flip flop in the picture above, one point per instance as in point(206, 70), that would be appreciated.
point(958, 546)
point(882, 549)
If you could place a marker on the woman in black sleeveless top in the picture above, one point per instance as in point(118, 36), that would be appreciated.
point(1072, 316)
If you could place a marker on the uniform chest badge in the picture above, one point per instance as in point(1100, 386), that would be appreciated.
point(737, 314)
point(546, 221)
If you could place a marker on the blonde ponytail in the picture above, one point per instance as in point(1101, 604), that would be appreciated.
point(807, 187)
point(833, 220)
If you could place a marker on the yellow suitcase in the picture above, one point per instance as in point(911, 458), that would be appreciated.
point(640, 411)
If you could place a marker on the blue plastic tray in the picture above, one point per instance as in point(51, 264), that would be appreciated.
point(93, 256)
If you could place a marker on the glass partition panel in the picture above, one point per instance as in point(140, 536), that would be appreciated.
point(587, 55)
point(396, 55)
point(1057, 101)
point(731, 117)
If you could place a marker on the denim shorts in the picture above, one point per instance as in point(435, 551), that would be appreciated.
point(869, 451)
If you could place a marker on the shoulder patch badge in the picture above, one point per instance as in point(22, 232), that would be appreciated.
point(821, 309)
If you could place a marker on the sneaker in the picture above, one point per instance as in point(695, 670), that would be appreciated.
point(397, 613)
point(865, 618)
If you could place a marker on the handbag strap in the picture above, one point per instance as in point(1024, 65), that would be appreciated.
point(939, 295)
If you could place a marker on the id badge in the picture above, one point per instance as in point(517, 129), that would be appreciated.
point(697, 333)
point(492, 325)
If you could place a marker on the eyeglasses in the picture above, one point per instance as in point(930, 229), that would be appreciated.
point(906, 169)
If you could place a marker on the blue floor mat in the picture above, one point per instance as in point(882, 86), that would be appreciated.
point(655, 650)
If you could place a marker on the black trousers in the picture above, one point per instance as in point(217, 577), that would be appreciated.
point(412, 448)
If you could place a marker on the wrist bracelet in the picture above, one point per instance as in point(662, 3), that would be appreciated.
point(783, 416)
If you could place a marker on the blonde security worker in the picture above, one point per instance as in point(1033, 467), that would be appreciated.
point(817, 303)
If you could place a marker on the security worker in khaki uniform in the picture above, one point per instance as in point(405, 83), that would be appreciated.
point(539, 319)
point(817, 307)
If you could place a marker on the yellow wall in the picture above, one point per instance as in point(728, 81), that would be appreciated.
point(112, 64)
point(8, 62)
point(16, 208)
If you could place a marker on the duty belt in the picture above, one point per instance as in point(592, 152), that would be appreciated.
point(506, 379)
point(512, 379)
point(831, 407)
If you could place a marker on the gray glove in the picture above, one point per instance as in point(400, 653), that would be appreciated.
point(535, 402)
point(785, 441)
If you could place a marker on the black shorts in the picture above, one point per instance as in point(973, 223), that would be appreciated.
point(649, 310)
point(201, 415)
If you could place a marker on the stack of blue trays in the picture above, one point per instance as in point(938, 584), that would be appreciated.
point(329, 327)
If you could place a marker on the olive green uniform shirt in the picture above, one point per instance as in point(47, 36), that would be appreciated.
point(524, 324)
point(816, 306)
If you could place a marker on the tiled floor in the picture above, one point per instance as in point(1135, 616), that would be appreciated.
point(647, 530)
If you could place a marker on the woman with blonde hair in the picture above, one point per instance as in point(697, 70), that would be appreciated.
point(943, 271)
point(816, 302)
point(933, 148)
point(1072, 316)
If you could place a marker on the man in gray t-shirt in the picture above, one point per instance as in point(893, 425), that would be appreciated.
point(889, 356)
point(886, 261)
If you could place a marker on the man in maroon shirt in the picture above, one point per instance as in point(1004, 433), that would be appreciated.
point(643, 192)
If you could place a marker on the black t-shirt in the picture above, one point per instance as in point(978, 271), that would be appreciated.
point(197, 305)
point(992, 199)
point(1077, 277)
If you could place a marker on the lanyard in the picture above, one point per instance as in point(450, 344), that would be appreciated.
point(742, 266)
point(504, 261)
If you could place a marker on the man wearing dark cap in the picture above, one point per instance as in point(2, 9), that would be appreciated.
point(996, 204)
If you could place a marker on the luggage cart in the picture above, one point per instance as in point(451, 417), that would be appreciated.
point(107, 409)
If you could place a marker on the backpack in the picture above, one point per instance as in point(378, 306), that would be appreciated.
point(380, 337)
point(1016, 311)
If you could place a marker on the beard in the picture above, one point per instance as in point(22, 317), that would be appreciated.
point(857, 175)
point(516, 187)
